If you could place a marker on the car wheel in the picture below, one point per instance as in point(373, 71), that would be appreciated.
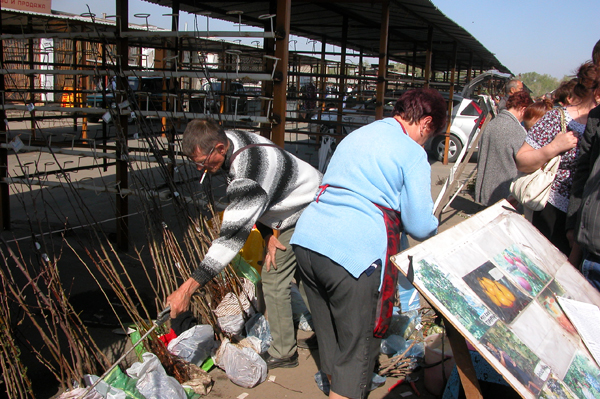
point(454, 148)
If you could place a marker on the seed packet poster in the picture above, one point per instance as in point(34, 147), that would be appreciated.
point(497, 292)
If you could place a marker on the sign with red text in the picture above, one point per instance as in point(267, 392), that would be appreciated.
point(42, 6)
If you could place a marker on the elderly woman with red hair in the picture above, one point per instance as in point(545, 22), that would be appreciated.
point(500, 141)
point(378, 184)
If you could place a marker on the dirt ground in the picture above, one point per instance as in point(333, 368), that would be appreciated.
point(281, 383)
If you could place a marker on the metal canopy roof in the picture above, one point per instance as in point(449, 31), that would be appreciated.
point(323, 20)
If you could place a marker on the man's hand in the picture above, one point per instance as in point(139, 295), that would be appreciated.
point(272, 246)
point(576, 254)
point(180, 299)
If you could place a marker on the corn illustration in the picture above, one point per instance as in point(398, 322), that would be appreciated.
point(497, 292)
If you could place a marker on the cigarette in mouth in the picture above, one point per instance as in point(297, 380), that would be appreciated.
point(203, 176)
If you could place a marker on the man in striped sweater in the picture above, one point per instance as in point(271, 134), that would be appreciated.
point(268, 187)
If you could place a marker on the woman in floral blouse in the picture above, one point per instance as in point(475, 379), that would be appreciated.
point(545, 141)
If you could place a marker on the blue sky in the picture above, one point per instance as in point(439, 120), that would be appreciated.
point(548, 37)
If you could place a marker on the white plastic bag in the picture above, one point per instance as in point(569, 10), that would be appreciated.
point(244, 366)
point(230, 315)
point(231, 324)
point(252, 343)
point(153, 382)
point(300, 312)
point(258, 326)
point(78, 392)
point(194, 345)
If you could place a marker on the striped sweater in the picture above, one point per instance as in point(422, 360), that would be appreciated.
point(266, 185)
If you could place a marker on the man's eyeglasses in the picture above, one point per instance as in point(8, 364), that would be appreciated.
point(200, 165)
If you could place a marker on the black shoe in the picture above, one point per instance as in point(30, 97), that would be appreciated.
point(286, 362)
point(308, 343)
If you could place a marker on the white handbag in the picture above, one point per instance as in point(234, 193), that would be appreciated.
point(533, 189)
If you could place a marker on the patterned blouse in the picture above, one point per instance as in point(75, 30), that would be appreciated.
point(541, 134)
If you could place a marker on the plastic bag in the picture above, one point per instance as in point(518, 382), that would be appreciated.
point(244, 269)
point(409, 296)
point(194, 345)
point(258, 326)
point(78, 392)
point(393, 344)
point(376, 381)
point(300, 312)
point(104, 390)
point(418, 349)
point(407, 325)
point(153, 381)
point(116, 385)
point(253, 250)
point(232, 324)
point(244, 367)
point(229, 314)
point(252, 343)
point(322, 382)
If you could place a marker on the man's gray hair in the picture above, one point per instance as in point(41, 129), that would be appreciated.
point(203, 135)
point(512, 84)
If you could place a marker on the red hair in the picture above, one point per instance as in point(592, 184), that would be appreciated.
point(518, 100)
point(535, 111)
point(414, 105)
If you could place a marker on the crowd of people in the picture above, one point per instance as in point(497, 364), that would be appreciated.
point(335, 232)
point(526, 136)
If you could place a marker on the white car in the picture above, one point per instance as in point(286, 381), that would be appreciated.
point(354, 115)
point(465, 114)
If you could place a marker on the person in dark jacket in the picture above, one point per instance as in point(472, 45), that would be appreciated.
point(583, 215)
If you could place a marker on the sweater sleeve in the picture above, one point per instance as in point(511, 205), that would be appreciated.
point(416, 203)
point(247, 202)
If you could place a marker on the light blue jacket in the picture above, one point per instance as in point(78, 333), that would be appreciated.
point(380, 164)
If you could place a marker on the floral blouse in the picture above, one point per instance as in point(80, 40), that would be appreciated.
point(541, 134)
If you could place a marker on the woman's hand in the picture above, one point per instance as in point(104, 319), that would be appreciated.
point(529, 159)
point(563, 142)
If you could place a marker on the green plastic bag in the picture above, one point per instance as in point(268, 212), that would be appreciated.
point(139, 349)
point(244, 269)
point(118, 379)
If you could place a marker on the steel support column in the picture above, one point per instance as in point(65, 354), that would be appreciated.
point(122, 178)
point(383, 58)
point(30, 55)
point(342, 80)
point(322, 79)
point(267, 86)
point(284, 10)
point(4, 188)
point(469, 69)
point(450, 98)
point(428, 57)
